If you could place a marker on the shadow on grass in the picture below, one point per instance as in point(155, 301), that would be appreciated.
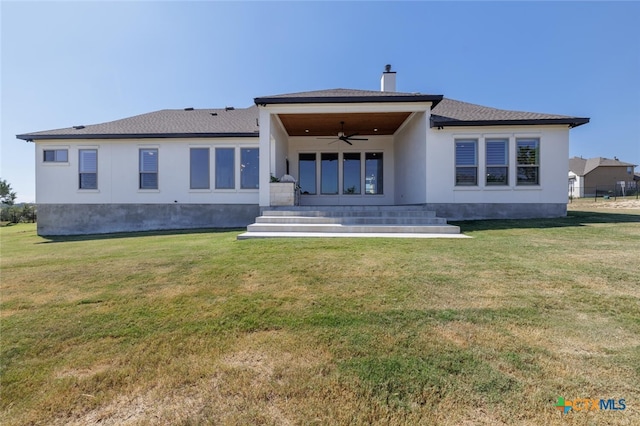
point(91, 237)
point(574, 218)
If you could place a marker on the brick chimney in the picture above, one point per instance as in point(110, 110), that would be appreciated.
point(388, 80)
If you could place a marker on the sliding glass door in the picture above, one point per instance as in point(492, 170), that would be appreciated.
point(329, 173)
point(341, 173)
point(373, 173)
point(307, 173)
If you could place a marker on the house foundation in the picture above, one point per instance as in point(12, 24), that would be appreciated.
point(80, 219)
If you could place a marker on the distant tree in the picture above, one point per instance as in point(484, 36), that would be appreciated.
point(7, 196)
point(28, 213)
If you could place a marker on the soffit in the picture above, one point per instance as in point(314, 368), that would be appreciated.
point(386, 123)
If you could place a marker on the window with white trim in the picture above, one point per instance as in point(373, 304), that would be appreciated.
point(199, 168)
point(466, 162)
point(497, 162)
point(528, 160)
point(148, 168)
point(225, 170)
point(55, 156)
point(88, 169)
point(249, 167)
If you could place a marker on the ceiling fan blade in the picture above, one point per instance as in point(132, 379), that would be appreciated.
point(358, 139)
point(345, 139)
point(350, 136)
point(333, 141)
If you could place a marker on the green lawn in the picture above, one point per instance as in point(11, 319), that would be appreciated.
point(198, 328)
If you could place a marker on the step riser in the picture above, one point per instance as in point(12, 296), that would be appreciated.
point(432, 229)
point(354, 213)
point(352, 221)
point(297, 219)
point(394, 221)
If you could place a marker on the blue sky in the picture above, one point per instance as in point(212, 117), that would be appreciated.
point(71, 63)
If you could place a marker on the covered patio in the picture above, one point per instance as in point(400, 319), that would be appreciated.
point(346, 147)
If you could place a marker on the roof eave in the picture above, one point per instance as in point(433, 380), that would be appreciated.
point(435, 99)
point(32, 137)
point(571, 122)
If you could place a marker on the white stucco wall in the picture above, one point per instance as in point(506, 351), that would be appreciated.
point(280, 143)
point(440, 163)
point(410, 160)
point(118, 172)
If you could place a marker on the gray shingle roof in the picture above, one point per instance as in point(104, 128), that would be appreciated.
point(582, 166)
point(244, 122)
point(577, 165)
point(450, 112)
point(166, 123)
point(346, 96)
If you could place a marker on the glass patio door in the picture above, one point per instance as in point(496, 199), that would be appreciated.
point(341, 174)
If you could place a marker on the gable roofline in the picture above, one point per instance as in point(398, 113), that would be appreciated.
point(453, 113)
point(571, 122)
point(34, 136)
point(337, 96)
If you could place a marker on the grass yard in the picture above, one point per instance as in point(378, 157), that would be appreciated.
point(198, 328)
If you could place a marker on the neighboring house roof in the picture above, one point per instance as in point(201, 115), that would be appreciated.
point(582, 166)
point(576, 165)
point(450, 112)
point(346, 96)
point(168, 123)
point(226, 122)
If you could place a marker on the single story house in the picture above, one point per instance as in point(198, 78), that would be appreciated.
point(600, 176)
point(190, 168)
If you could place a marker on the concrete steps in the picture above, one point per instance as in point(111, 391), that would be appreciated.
point(331, 221)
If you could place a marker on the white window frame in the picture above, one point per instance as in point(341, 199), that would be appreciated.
point(518, 165)
point(81, 172)
point(474, 141)
point(505, 141)
point(234, 173)
point(239, 168)
point(140, 166)
point(55, 150)
point(208, 188)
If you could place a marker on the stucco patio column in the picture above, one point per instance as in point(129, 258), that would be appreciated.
point(265, 157)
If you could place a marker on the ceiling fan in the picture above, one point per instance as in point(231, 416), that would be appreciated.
point(342, 136)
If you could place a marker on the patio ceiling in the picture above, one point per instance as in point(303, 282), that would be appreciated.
point(378, 123)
